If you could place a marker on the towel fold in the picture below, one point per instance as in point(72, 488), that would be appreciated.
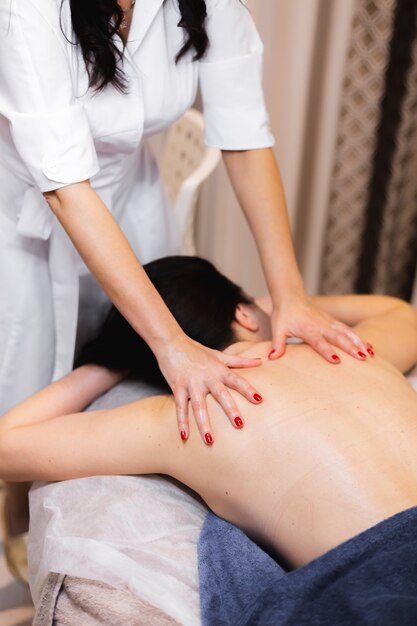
point(369, 580)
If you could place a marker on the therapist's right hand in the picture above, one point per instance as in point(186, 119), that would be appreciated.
point(194, 371)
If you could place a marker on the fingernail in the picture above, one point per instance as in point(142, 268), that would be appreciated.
point(271, 354)
point(183, 435)
point(239, 422)
point(370, 351)
point(335, 358)
point(362, 355)
point(209, 439)
point(257, 397)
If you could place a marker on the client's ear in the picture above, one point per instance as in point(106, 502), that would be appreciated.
point(245, 317)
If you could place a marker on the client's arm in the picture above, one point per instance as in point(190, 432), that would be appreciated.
point(46, 438)
point(388, 323)
point(70, 394)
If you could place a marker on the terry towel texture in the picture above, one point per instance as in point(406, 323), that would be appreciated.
point(69, 601)
point(369, 580)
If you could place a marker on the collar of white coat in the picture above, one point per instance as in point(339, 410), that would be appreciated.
point(144, 14)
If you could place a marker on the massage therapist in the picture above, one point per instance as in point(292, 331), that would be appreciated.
point(82, 86)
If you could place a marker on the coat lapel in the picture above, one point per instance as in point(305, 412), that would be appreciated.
point(144, 14)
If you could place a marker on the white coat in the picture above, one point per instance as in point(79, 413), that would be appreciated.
point(55, 131)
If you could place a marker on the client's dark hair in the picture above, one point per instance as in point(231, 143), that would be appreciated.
point(202, 300)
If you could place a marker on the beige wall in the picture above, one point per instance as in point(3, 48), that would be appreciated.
point(305, 46)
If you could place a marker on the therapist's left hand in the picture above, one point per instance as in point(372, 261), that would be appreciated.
point(297, 316)
point(193, 372)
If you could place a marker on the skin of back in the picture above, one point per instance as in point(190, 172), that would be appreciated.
point(328, 454)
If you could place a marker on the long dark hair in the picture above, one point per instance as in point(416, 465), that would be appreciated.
point(93, 25)
point(202, 300)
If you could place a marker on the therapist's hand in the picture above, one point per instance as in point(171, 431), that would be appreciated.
point(194, 371)
point(297, 316)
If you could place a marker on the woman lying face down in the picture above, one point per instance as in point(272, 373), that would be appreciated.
point(329, 453)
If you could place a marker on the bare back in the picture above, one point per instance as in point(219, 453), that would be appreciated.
point(330, 452)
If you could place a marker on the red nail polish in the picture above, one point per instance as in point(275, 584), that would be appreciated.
point(272, 353)
point(208, 438)
point(257, 397)
point(239, 422)
point(335, 357)
point(370, 351)
point(183, 435)
point(362, 355)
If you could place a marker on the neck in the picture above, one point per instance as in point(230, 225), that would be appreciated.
point(126, 5)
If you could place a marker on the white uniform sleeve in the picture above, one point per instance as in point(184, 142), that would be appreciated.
point(231, 80)
point(49, 128)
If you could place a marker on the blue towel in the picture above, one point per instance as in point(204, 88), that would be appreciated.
point(369, 580)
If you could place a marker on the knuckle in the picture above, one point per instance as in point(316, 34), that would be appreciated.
point(343, 328)
point(226, 399)
point(197, 404)
point(181, 416)
point(310, 333)
point(220, 391)
point(249, 391)
point(226, 395)
point(316, 340)
point(323, 346)
point(245, 390)
point(233, 410)
point(181, 404)
point(349, 343)
point(345, 346)
point(310, 327)
point(231, 378)
point(178, 386)
point(345, 339)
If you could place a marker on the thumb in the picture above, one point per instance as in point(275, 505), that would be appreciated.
point(278, 344)
point(239, 361)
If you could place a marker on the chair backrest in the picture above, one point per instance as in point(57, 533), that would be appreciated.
point(185, 164)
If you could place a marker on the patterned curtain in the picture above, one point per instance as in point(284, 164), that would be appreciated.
point(371, 234)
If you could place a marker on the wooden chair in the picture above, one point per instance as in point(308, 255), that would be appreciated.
point(185, 164)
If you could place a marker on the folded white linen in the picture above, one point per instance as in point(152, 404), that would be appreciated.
point(136, 533)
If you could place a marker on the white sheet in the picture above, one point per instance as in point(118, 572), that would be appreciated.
point(136, 533)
